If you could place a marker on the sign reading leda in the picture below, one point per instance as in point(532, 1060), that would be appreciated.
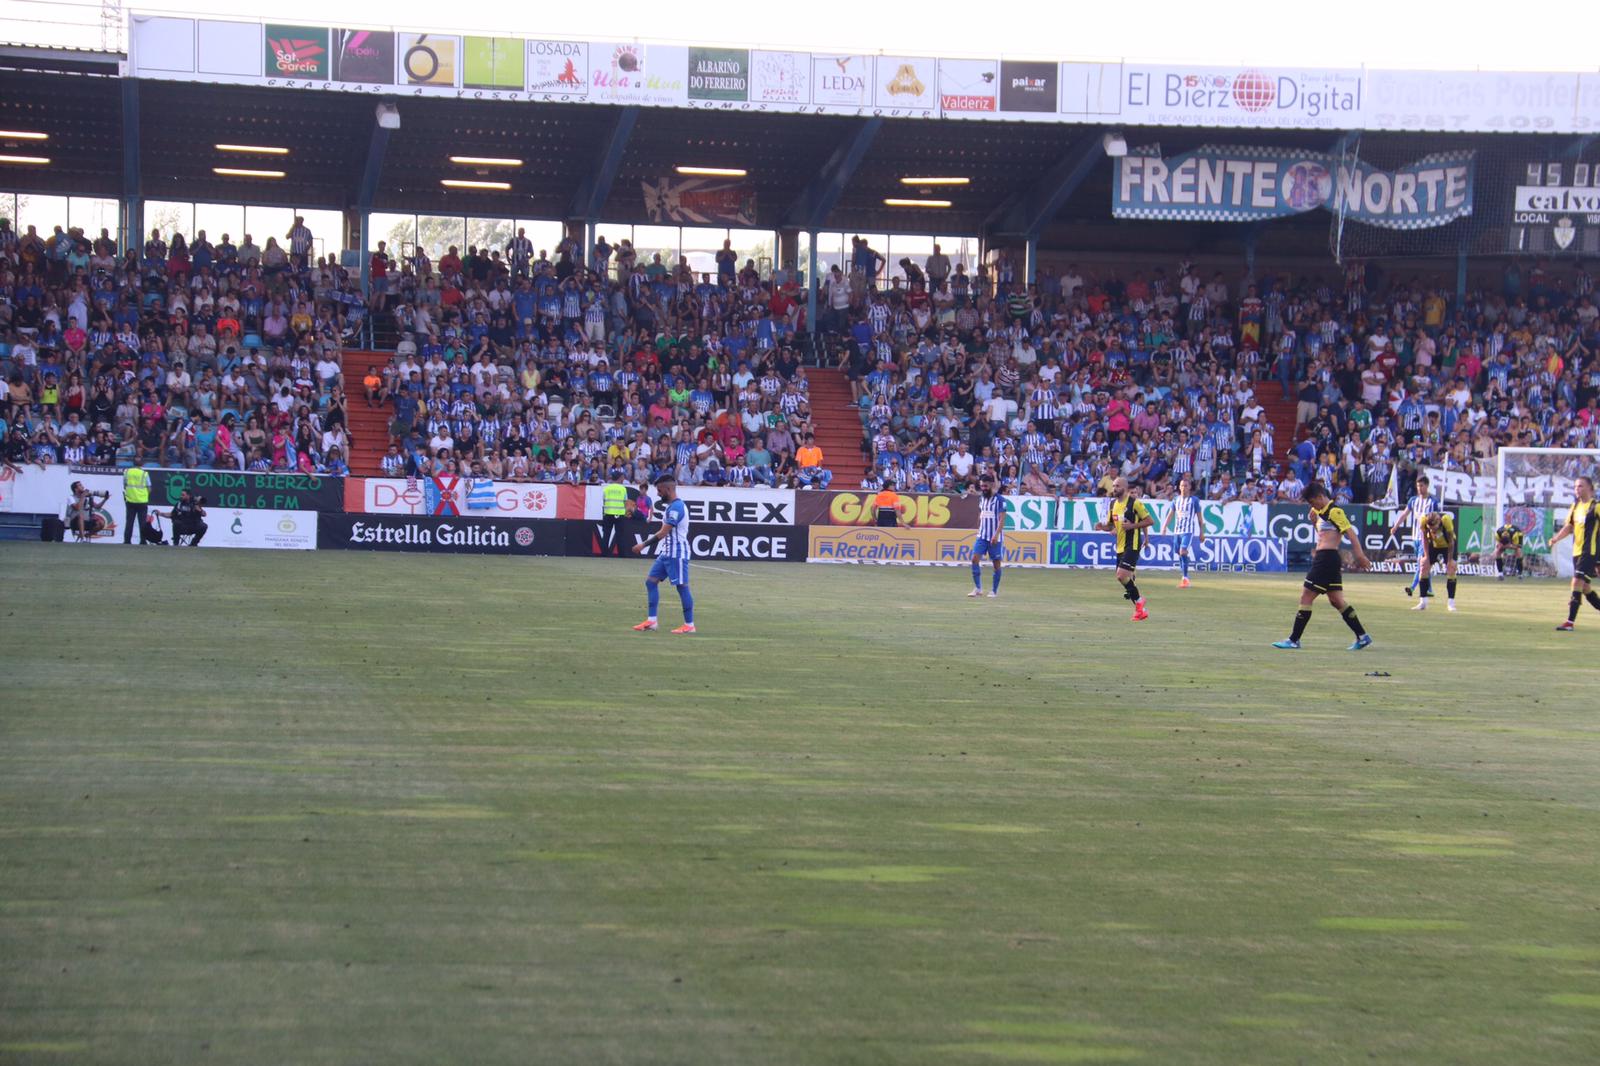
point(949, 547)
point(1242, 183)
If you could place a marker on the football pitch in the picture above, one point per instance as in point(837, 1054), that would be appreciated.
point(338, 807)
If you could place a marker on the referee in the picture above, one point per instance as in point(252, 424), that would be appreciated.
point(135, 500)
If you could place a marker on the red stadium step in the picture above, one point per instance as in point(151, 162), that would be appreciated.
point(838, 427)
point(369, 426)
point(1281, 413)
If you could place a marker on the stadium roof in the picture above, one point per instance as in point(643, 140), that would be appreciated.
point(1040, 177)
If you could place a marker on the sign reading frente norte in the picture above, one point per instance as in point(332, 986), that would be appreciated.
point(1240, 183)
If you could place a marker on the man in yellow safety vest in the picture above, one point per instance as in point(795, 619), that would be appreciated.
point(614, 513)
point(135, 501)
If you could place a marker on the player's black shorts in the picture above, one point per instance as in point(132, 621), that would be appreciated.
point(1326, 573)
point(1128, 560)
point(1436, 554)
point(1586, 566)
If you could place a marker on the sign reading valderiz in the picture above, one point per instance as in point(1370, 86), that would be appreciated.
point(1241, 184)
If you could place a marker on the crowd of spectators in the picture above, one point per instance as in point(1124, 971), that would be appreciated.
point(1064, 384)
point(578, 364)
point(179, 352)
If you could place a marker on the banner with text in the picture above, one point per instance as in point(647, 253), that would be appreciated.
point(1222, 553)
point(431, 533)
point(1239, 183)
point(700, 201)
point(462, 496)
point(1079, 514)
point(930, 547)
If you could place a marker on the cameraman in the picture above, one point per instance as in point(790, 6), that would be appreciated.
point(188, 519)
point(83, 512)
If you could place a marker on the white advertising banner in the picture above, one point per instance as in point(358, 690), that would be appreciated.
point(1078, 514)
point(389, 61)
point(228, 528)
point(749, 507)
point(452, 496)
point(30, 490)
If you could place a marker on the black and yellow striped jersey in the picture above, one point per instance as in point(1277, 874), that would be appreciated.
point(1585, 528)
point(1129, 540)
point(1442, 530)
point(1331, 519)
point(1508, 536)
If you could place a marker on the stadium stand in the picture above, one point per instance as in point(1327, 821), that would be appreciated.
point(193, 353)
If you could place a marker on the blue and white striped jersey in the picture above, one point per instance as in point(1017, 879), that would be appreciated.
point(675, 545)
point(1186, 515)
point(992, 518)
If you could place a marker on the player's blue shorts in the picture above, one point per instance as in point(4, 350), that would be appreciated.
point(672, 571)
point(994, 549)
point(1186, 542)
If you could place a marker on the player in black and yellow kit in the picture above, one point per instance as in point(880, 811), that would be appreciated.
point(1583, 526)
point(1326, 577)
point(1441, 535)
point(1129, 519)
point(1507, 543)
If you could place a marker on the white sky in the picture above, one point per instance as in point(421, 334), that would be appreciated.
point(1430, 34)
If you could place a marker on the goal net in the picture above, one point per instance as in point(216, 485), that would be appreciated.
point(1533, 487)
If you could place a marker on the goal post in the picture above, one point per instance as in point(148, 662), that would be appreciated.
point(1533, 487)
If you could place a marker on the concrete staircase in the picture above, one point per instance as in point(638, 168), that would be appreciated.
point(838, 426)
point(369, 426)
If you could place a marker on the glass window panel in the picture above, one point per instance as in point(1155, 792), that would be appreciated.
point(44, 213)
point(961, 250)
point(700, 247)
point(93, 214)
point(220, 219)
point(760, 245)
point(544, 233)
point(648, 241)
point(264, 223)
point(490, 234)
point(400, 231)
point(327, 230)
point(831, 253)
point(168, 216)
point(439, 233)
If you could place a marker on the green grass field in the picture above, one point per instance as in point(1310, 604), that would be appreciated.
point(345, 807)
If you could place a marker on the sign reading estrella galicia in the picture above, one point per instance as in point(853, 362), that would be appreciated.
point(1242, 183)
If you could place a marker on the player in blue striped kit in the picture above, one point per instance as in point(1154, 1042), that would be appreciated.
point(1184, 520)
point(672, 565)
point(1418, 511)
point(991, 535)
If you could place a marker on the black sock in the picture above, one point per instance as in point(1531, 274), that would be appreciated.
point(1350, 619)
point(1127, 590)
point(1302, 618)
point(1572, 606)
point(1450, 587)
point(1427, 588)
point(1593, 598)
point(1133, 592)
point(1499, 564)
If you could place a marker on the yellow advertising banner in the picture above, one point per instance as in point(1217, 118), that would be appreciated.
point(948, 547)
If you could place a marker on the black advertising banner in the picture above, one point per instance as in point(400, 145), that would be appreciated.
point(714, 541)
point(251, 492)
point(1027, 86)
point(429, 533)
point(1292, 522)
point(364, 56)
